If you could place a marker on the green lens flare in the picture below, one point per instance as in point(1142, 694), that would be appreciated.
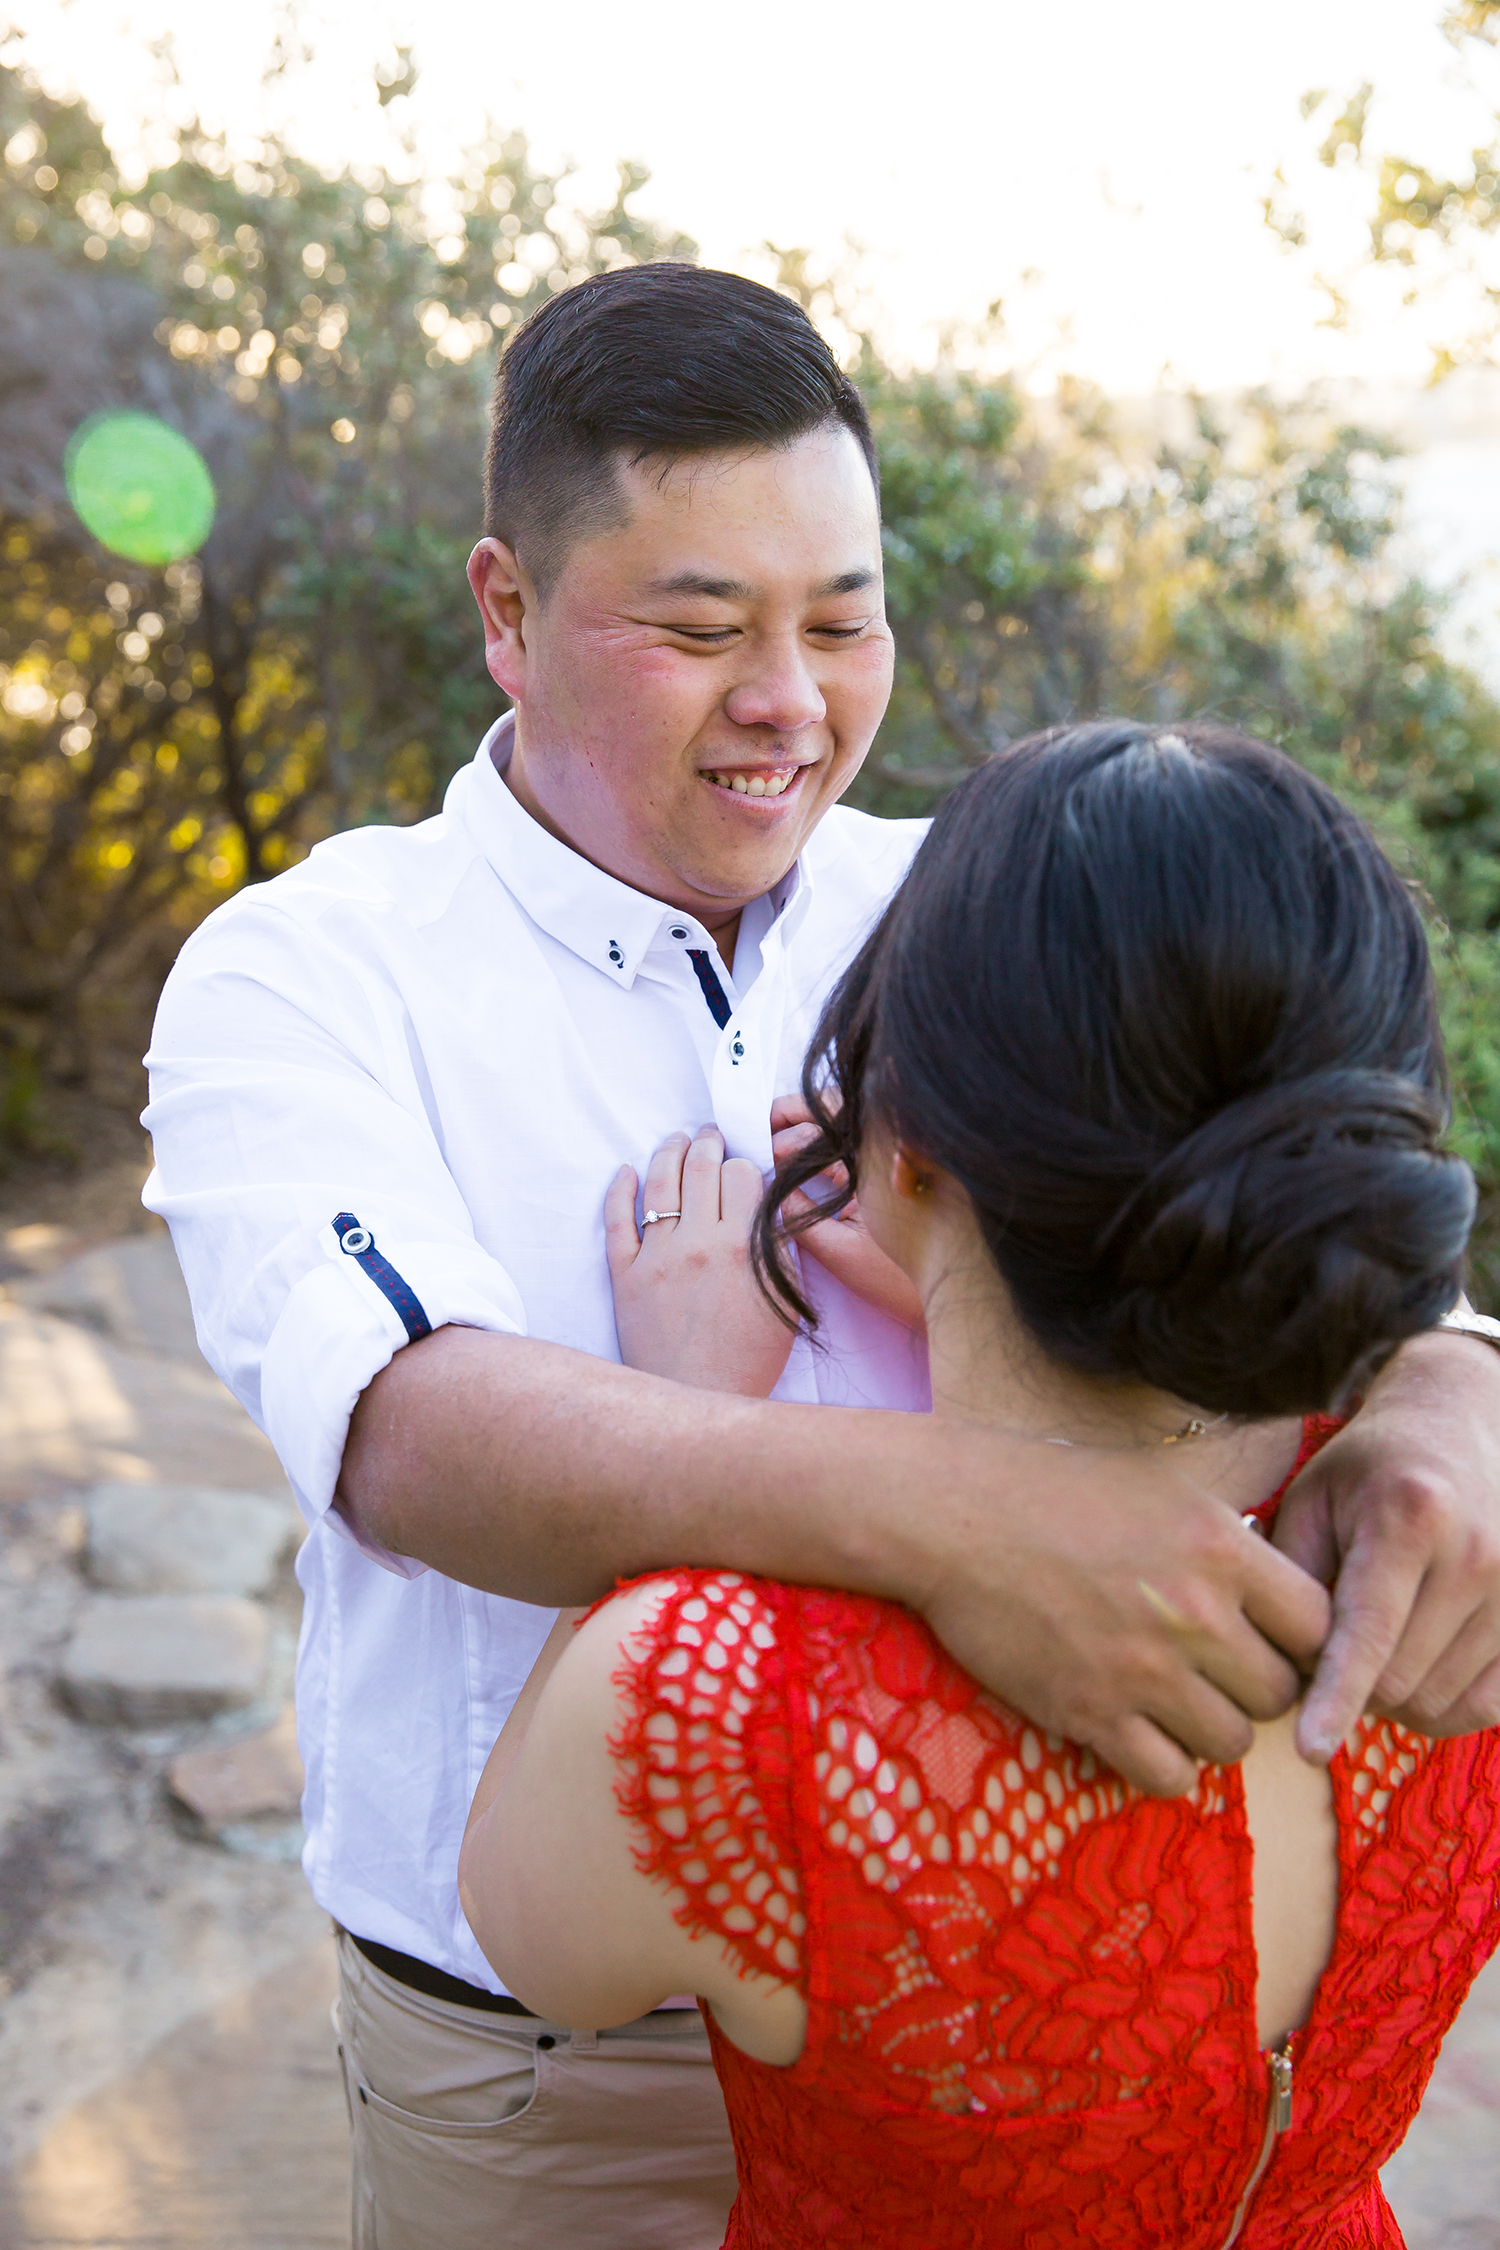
point(140, 487)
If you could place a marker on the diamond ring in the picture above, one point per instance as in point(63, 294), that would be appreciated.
point(653, 1216)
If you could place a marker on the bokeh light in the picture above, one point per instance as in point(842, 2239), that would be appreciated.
point(140, 487)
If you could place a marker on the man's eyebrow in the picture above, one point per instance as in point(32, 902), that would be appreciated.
point(847, 582)
point(697, 582)
point(739, 590)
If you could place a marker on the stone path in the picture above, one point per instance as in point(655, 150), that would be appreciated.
point(231, 2137)
point(167, 2070)
point(1444, 2182)
point(100, 1377)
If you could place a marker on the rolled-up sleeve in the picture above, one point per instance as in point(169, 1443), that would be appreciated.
point(297, 1167)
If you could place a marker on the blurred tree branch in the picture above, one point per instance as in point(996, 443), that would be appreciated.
point(326, 344)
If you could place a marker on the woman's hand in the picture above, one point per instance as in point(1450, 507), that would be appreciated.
point(687, 1304)
point(842, 1245)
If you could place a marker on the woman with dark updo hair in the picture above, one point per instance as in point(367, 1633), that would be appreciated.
point(1140, 1086)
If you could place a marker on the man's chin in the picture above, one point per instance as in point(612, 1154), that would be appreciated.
point(723, 885)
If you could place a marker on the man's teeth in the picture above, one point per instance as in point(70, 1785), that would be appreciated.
point(754, 784)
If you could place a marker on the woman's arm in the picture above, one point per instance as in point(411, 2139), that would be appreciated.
point(522, 1711)
point(548, 1875)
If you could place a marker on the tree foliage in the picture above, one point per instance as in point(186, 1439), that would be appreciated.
point(327, 343)
point(1051, 557)
point(1436, 228)
point(1426, 735)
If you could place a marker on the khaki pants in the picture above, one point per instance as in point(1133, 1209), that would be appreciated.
point(489, 2132)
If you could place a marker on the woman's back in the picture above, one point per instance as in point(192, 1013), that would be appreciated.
point(1140, 1086)
point(1031, 1992)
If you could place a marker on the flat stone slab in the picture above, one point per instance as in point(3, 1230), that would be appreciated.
point(141, 1660)
point(261, 1773)
point(75, 1409)
point(131, 1292)
point(185, 1539)
point(232, 2133)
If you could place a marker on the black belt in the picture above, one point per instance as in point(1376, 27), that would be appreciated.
point(421, 1976)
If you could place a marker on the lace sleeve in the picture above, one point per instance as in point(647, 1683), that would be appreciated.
point(704, 1757)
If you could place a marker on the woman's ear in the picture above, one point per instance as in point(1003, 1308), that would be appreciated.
point(910, 1176)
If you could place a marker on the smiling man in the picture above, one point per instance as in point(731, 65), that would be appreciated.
point(683, 724)
point(390, 1092)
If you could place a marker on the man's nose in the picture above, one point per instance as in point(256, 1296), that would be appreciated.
point(778, 691)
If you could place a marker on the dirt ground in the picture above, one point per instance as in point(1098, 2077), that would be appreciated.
point(167, 2069)
point(84, 1172)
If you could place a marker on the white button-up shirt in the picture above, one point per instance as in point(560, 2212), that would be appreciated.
point(388, 1091)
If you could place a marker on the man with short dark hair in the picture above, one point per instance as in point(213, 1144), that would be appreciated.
point(585, 384)
point(389, 1093)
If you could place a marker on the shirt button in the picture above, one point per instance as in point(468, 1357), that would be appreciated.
point(615, 954)
point(678, 931)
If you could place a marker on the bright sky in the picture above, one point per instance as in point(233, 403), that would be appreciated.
point(1118, 152)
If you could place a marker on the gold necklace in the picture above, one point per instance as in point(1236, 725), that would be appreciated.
point(1195, 1427)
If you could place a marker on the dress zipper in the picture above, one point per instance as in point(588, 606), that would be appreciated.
point(1278, 2117)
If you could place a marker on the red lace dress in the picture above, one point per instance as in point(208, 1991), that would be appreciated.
point(1031, 1991)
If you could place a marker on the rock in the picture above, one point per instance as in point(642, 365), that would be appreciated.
point(29, 1251)
point(131, 1292)
point(261, 1773)
point(157, 1659)
point(185, 1539)
point(76, 1409)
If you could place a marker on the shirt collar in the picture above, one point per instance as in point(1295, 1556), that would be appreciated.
point(603, 921)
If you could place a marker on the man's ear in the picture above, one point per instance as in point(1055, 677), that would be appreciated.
point(506, 597)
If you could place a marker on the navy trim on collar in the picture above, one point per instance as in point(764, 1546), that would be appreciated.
point(713, 991)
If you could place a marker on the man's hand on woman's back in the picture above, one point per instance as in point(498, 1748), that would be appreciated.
point(1400, 1514)
point(1114, 1601)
